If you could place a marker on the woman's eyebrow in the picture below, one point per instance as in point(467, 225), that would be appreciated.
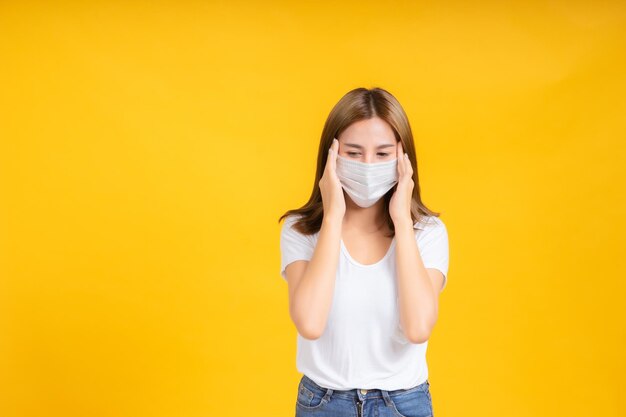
point(357, 146)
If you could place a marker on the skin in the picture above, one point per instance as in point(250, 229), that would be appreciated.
point(312, 283)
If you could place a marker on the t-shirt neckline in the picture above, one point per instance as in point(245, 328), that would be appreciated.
point(344, 249)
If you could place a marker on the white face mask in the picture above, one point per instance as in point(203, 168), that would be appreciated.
point(366, 183)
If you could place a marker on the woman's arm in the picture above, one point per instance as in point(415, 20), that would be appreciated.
point(312, 283)
point(418, 287)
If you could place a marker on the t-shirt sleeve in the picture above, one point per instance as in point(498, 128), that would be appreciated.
point(433, 246)
point(293, 245)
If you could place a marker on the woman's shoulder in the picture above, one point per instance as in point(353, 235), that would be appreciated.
point(428, 223)
point(290, 219)
point(427, 220)
point(289, 223)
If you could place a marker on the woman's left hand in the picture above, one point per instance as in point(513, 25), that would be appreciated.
point(400, 203)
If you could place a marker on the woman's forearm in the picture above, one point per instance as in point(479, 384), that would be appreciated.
point(314, 293)
point(417, 298)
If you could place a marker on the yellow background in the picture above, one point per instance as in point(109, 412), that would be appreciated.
point(148, 148)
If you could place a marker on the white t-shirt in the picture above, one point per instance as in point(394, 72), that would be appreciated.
point(363, 345)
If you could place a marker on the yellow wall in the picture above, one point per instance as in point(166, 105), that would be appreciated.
point(148, 148)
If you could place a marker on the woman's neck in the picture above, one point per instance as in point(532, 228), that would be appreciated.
point(370, 219)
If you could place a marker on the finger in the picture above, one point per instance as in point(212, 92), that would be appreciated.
point(409, 167)
point(329, 159)
point(335, 147)
point(400, 160)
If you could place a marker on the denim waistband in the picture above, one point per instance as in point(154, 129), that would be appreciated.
point(361, 394)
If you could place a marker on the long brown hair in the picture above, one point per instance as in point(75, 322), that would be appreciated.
point(360, 104)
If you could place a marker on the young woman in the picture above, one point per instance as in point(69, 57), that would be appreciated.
point(365, 262)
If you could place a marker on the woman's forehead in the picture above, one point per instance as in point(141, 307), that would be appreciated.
point(370, 133)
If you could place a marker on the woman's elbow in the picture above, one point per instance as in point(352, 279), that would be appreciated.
point(418, 335)
point(307, 328)
point(310, 334)
point(310, 331)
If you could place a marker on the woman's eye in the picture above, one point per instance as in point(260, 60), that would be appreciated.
point(358, 153)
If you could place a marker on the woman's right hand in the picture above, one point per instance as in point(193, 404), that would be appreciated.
point(330, 186)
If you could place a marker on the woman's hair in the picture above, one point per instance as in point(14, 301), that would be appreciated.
point(360, 104)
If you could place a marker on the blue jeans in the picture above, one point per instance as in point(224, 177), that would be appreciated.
point(314, 400)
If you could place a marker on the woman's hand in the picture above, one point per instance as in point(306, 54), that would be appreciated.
point(400, 203)
point(330, 186)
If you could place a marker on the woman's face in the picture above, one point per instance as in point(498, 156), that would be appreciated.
point(369, 141)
